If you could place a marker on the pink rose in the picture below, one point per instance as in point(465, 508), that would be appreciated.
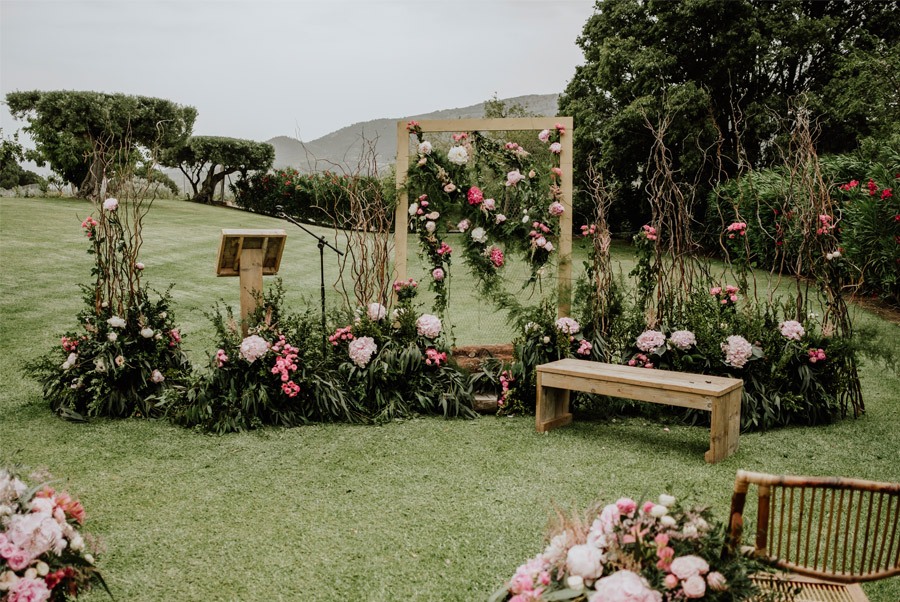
point(626, 505)
point(437, 274)
point(694, 587)
point(670, 582)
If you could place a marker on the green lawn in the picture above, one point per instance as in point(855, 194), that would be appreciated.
point(424, 509)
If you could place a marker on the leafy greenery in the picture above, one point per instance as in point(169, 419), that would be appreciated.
point(11, 173)
point(200, 157)
point(726, 70)
point(81, 133)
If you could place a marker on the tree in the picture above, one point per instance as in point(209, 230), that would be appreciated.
point(11, 173)
point(724, 70)
point(80, 133)
point(199, 158)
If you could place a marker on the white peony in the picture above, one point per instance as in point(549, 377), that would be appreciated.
point(458, 155)
point(479, 235)
point(116, 322)
point(110, 204)
point(424, 148)
point(585, 561)
point(376, 311)
point(428, 326)
point(147, 332)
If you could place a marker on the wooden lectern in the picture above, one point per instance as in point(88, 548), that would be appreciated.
point(250, 254)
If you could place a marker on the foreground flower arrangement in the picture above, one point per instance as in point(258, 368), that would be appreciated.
point(625, 552)
point(43, 553)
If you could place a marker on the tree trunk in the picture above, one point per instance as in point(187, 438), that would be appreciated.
point(208, 189)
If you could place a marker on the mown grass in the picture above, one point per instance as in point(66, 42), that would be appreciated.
point(424, 509)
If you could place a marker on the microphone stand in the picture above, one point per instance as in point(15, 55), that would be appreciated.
point(279, 212)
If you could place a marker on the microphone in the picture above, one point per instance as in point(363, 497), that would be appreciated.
point(279, 211)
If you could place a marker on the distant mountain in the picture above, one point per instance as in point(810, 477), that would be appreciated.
point(342, 149)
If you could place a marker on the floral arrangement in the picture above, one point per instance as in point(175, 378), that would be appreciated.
point(460, 190)
point(395, 362)
point(625, 552)
point(127, 350)
point(270, 376)
point(43, 553)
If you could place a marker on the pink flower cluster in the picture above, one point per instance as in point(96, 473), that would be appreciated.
point(826, 224)
point(726, 296)
point(475, 195)
point(361, 350)
point(649, 232)
point(221, 358)
point(428, 326)
point(495, 254)
point(556, 209)
point(682, 339)
point(405, 285)
point(69, 345)
point(817, 355)
point(539, 238)
point(433, 357)
point(792, 329)
point(340, 335)
point(444, 250)
point(589, 230)
point(506, 379)
point(174, 337)
point(556, 172)
point(851, 185)
point(567, 326)
point(641, 360)
point(530, 580)
point(738, 351)
point(650, 341)
point(736, 228)
point(285, 364)
point(584, 347)
point(89, 224)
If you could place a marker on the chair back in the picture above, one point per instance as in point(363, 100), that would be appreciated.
point(844, 530)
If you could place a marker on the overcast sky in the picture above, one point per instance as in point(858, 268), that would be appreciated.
point(303, 68)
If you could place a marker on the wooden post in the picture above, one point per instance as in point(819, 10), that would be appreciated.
point(552, 409)
point(401, 219)
point(725, 426)
point(251, 283)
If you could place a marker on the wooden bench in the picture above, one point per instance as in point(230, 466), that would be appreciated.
point(721, 396)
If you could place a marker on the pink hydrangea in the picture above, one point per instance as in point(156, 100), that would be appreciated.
point(567, 326)
point(624, 586)
point(650, 340)
point(738, 351)
point(428, 326)
point(683, 339)
point(792, 329)
point(361, 350)
point(584, 348)
point(253, 348)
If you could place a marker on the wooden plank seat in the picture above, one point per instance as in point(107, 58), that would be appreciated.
point(828, 534)
point(715, 394)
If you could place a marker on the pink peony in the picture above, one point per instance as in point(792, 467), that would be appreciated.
point(157, 377)
point(544, 136)
point(650, 340)
point(500, 218)
point(489, 204)
point(624, 586)
point(694, 587)
point(684, 567)
point(29, 590)
point(626, 505)
point(514, 177)
point(463, 225)
point(361, 350)
point(428, 326)
point(110, 204)
point(556, 209)
point(253, 348)
point(556, 148)
point(792, 329)
point(376, 311)
point(437, 274)
point(475, 195)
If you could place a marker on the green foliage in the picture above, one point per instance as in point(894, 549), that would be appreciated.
point(318, 198)
point(285, 386)
point(199, 157)
point(724, 69)
point(69, 127)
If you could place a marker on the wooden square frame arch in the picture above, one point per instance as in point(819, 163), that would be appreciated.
point(401, 227)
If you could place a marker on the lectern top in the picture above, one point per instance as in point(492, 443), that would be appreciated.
point(234, 241)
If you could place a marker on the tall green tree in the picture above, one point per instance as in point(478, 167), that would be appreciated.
point(82, 134)
point(207, 160)
point(726, 71)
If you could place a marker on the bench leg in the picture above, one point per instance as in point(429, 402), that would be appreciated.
point(552, 408)
point(725, 430)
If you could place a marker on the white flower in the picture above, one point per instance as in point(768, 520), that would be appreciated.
point(556, 148)
point(147, 332)
point(413, 208)
point(525, 219)
point(253, 348)
point(738, 351)
point(666, 500)
point(433, 215)
point(99, 364)
point(76, 542)
point(658, 510)
point(424, 148)
point(624, 586)
point(479, 235)
point(540, 241)
point(116, 322)
point(42, 568)
point(463, 225)
point(430, 227)
point(575, 582)
point(792, 329)
point(548, 246)
point(689, 531)
point(500, 218)
point(668, 521)
point(70, 361)
point(112, 337)
point(89, 558)
point(139, 265)
point(544, 136)
point(584, 561)
point(567, 326)
point(376, 311)
point(489, 204)
point(428, 326)
point(546, 340)
point(7, 580)
point(110, 204)
point(650, 340)
point(683, 339)
point(361, 350)
point(157, 377)
point(458, 155)
point(36, 533)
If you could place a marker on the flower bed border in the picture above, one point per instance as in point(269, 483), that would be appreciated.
point(401, 224)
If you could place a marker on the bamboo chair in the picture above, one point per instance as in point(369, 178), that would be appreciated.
point(828, 533)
